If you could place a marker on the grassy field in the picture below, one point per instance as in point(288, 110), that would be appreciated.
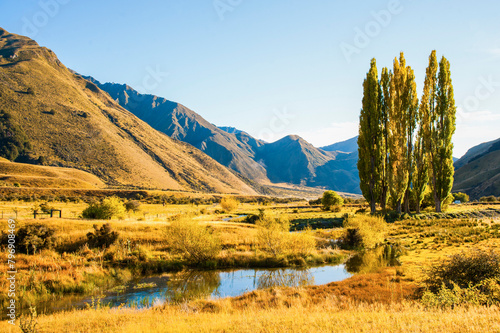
point(384, 299)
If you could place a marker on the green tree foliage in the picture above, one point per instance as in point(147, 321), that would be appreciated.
point(462, 197)
point(193, 240)
point(370, 139)
point(404, 147)
point(439, 125)
point(105, 210)
point(398, 131)
point(102, 237)
point(384, 91)
point(331, 199)
point(13, 140)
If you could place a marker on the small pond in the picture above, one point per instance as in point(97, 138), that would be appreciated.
point(193, 284)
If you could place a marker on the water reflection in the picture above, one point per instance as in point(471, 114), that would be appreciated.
point(191, 284)
point(372, 260)
point(194, 284)
point(285, 278)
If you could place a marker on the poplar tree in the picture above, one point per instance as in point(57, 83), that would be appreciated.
point(421, 168)
point(384, 92)
point(369, 140)
point(398, 149)
point(439, 127)
point(423, 144)
point(411, 115)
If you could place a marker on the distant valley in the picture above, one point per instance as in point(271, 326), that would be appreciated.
point(288, 160)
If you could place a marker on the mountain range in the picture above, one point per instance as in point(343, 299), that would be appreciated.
point(288, 160)
point(65, 120)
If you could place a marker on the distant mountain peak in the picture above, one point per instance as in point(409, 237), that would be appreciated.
point(347, 146)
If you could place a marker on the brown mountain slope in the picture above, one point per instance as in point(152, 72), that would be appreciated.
point(29, 175)
point(181, 123)
point(72, 123)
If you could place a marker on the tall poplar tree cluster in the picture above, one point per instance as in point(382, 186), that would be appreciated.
point(404, 146)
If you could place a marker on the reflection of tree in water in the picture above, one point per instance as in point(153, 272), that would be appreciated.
point(191, 284)
point(372, 260)
point(285, 278)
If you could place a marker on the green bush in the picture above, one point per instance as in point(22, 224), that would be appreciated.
point(363, 231)
point(487, 292)
point(464, 269)
point(331, 199)
point(102, 237)
point(105, 210)
point(132, 205)
point(35, 236)
point(274, 237)
point(462, 197)
point(490, 198)
point(194, 241)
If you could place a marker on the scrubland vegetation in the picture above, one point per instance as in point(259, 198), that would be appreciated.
point(448, 277)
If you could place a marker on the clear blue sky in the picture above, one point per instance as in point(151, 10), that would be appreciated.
point(241, 62)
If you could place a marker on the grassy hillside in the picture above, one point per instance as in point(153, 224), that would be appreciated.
point(70, 122)
point(28, 175)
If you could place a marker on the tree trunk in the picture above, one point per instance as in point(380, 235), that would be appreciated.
point(418, 208)
point(438, 205)
point(383, 198)
point(407, 202)
point(373, 207)
point(398, 209)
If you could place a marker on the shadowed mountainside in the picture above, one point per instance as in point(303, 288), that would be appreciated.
point(477, 173)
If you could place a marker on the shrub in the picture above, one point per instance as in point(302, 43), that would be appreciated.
point(487, 292)
point(315, 202)
point(229, 204)
point(105, 210)
point(102, 237)
point(331, 199)
point(490, 198)
point(35, 236)
point(364, 231)
point(275, 239)
point(17, 185)
point(132, 205)
point(462, 197)
point(464, 269)
point(273, 233)
point(194, 241)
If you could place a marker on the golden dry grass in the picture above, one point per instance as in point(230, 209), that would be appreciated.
point(28, 175)
point(330, 316)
